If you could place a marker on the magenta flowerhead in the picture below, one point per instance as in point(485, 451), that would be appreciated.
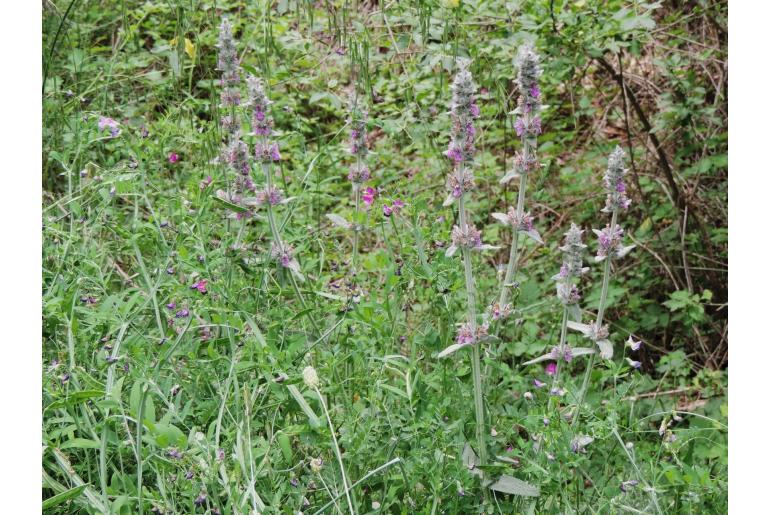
point(614, 182)
point(227, 63)
point(464, 110)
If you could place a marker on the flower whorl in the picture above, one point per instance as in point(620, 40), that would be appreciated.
point(572, 266)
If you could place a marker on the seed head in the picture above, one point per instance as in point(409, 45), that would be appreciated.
point(310, 377)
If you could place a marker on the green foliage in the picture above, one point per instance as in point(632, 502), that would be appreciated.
point(136, 396)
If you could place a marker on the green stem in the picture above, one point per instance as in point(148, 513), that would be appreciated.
point(345, 483)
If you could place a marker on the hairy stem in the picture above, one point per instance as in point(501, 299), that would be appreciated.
point(513, 258)
point(599, 319)
point(478, 387)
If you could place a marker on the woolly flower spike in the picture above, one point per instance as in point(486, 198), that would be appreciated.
point(310, 376)
point(284, 254)
point(261, 122)
point(227, 63)
point(522, 224)
point(464, 110)
point(358, 146)
point(528, 125)
point(610, 243)
point(598, 335)
point(614, 183)
point(573, 248)
point(529, 73)
point(236, 155)
point(470, 238)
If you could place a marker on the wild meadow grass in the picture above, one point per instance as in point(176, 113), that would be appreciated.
point(299, 258)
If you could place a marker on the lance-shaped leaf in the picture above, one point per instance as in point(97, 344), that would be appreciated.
point(605, 348)
point(583, 328)
point(449, 200)
point(502, 218)
point(449, 350)
point(222, 199)
point(451, 250)
point(339, 221)
point(514, 486)
point(508, 177)
point(532, 233)
point(577, 351)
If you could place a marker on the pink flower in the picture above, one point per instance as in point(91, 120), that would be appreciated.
point(173, 157)
point(550, 368)
point(368, 196)
point(200, 286)
point(206, 182)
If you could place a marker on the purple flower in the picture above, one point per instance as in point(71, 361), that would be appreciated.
point(171, 305)
point(634, 364)
point(550, 368)
point(174, 453)
point(634, 345)
point(625, 485)
point(170, 270)
point(538, 383)
point(200, 500)
point(109, 123)
point(182, 313)
point(173, 157)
